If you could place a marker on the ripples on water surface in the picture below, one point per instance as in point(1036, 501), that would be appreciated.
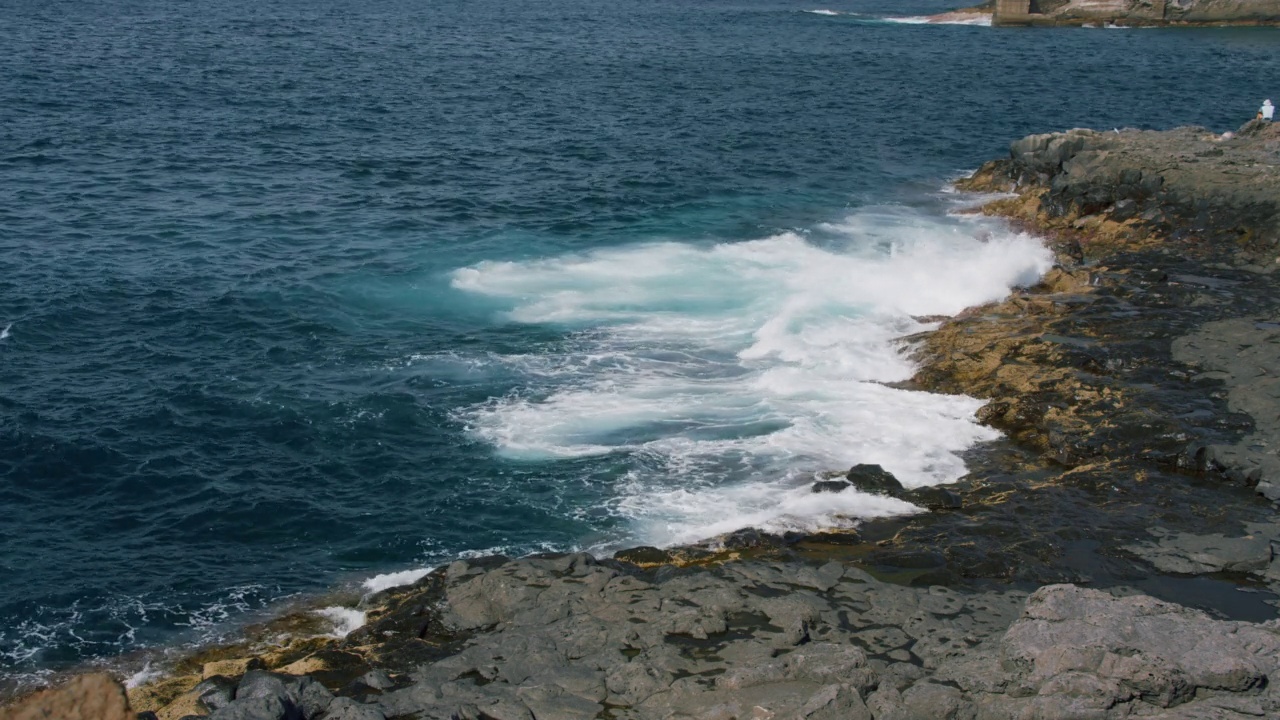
point(299, 293)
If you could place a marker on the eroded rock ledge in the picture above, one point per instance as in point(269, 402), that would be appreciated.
point(569, 637)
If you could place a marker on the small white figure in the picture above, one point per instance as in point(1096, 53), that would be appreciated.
point(1268, 110)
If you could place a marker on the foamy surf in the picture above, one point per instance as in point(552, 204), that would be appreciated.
point(725, 375)
point(973, 19)
point(344, 620)
point(378, 583)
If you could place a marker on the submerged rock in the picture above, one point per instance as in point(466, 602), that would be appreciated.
point(1190, 554)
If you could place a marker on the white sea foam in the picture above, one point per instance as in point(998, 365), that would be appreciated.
point(345, 620)
point(973, 19)
point(378, 583)
point(4, 334)
point(143, 676)
point(823, 12)
point(725, 375)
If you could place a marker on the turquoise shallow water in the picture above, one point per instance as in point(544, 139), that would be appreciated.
point(301, 293)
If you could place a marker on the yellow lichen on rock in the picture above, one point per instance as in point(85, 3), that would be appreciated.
point(309, 664)
point(231, 668)
point(156, 695)
point(185, 705)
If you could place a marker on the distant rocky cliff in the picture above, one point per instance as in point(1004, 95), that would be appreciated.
point(1132, 12)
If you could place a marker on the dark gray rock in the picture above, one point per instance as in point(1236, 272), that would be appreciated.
point(261, 683)
point(934, 498)
point(831, 486)
point(260, 707)
point(302, 696)
point(757, 639)
point(309, 696)
point(377, 679)
point(347, 709)
point(874, 479)
point(216, 692)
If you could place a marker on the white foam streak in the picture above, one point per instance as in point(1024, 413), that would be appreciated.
point(378, 583)
point(731, 372)
point(972, 19)
point(345, 620)
point(773, 507)
point(143, 676)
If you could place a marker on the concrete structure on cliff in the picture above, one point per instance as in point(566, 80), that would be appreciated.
point(1011, 12)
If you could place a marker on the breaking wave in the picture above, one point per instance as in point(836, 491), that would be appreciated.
point(723, 376)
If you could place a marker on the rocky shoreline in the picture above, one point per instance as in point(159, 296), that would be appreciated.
point(1113, 557)
point(1121, 13)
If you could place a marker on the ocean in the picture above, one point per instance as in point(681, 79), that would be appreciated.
point(302, 296)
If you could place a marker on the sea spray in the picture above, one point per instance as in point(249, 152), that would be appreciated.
point(724, 375)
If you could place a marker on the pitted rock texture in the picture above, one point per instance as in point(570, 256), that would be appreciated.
point(570, 637)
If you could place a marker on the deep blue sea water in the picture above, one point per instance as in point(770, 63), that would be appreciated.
point(295, 294)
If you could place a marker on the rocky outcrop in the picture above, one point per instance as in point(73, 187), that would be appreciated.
point(1130, 12)
point(1086, 654)
point(1169, 235)
point(1124, 186)
point(570, 637)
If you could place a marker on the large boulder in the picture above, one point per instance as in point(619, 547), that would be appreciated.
point(301, 697)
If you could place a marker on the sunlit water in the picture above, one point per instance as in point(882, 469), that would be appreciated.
point(298, 294)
